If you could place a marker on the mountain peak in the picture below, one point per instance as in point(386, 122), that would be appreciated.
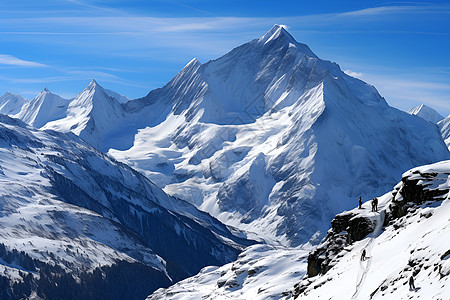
point(280, 33)
point(426, 112)
point(93, 84)
point(276, 32)
point(45, 90)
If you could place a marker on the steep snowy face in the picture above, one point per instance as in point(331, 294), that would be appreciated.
point(444, 127)
point(273, 140)
point(90, 115)
point(426, 112)
point(403, 238)
point(60, 199)
point(117, 96)
point(10, 104)
point(44, 108)
point(240, 86)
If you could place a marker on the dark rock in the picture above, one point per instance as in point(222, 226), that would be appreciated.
point(359, 228)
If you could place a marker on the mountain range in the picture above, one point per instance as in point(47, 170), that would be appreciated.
point(267, 143)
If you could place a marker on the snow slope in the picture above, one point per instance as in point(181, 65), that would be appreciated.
point(260, 272)
point(10, 104)
point(63, 201)
point(44, 108)
point(405, 237)
point(410, 245)
point(444, 127)
point(427, 113)
point(273, 140)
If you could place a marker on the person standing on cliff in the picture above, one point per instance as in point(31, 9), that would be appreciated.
point(375, 204)
point(360, 202)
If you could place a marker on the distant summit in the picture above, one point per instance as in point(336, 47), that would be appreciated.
point(10, 104)
point(426, 112)
point(44, 108)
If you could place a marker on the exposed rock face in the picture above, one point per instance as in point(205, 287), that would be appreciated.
point(359, 227)
point(346, 228)
point(416, 187)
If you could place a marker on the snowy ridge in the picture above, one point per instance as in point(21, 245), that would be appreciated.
point(89, 115)
point(117, 96)
point(427, 113)
point(44, 108)
point(10, 104)
point(65, 202)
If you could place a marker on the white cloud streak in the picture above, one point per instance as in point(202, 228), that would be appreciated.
point(10, 60)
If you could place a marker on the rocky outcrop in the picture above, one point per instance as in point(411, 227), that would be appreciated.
point(417, 187)
point(346, 228)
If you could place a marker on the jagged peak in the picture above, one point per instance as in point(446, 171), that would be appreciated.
point(194, 62)
point(275, 32)
point(93, 84)
point(192, 65)
point(44, 92)
point(280, 33)
point(426, 112)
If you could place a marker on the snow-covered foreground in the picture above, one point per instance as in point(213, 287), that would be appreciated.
point(260, 272)
point(409, 241)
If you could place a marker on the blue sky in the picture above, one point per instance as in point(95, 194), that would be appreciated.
point(132, 47)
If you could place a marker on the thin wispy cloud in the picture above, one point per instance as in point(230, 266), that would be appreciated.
point(10, 60)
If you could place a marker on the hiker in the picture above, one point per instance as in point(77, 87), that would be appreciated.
point(363, 255)
point(375, 204)
point(360, 202)
point(411, 284)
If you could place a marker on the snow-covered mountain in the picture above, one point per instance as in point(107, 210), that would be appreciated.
point(268, 138)
point(44, 108)
point(67, 210)
point(10, 104)
point(405, 237)
point(273, 140)
point(427, 113)
point(90, 115)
